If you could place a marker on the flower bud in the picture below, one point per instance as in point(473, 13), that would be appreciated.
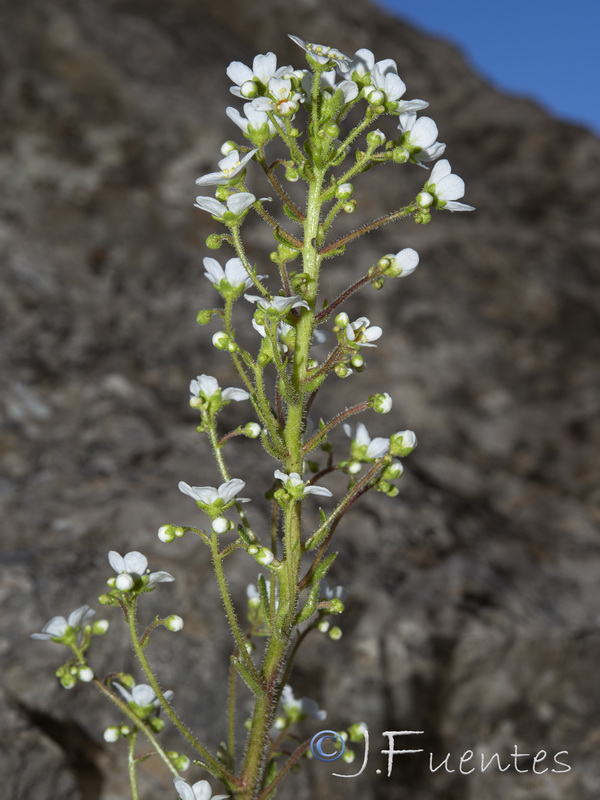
point(280, 723)
point(378, 283)
point(357, 362)
point(248, 89)
point(253, 550)
point(349, 207)
point(342, 320)
point(221, 340)
point(425, 199)
point(344, 191)
point(336, 606)
point(348, 756)
point(221, 525)
point(381, 403)
point(332, 130)
point(156, 724)
point(292, 174)
point(342, 370)
point(111, 734)
point(204, 316)
point(168, 533)
point(228, 147)
point(174, 623)
point(264, 556)
point(422, 218)
point(180, 760)
point(402, 443)
point(375, 97)
point(85, 674)
point(376, 138)
point(324, 626)
point(356, 732)
point(100, 626)
point(353, 467)
point(393, 472)
point(252, 430)
point(68, 681)
point(335, 633)
point(214, 241)
point(400, 155)
point(124, 582)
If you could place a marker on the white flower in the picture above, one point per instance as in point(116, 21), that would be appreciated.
point(303, 708)
point(419, 137)
point(446, 188)
point(198, 791)
point(142, 695)
point(402, 264)
point(206, 386)
point(321, 53)
point(253, 122)
point(281, 305)
point(131, 567)
point(363, 447)
point(296, 486)
point(236, 205)
point(361, 332)
point(220, 498)
point(57, 627)
point(233, 277)
point(349, 89)
point(229, 167)
point(264, 67)
point(360, 66)
point(335, 593)
point(282, 99)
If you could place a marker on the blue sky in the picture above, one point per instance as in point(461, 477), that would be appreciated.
point(543, 49)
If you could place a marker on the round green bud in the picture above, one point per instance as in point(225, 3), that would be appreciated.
point(393, 491)
point(393, 472)
point(378, 283)
point(425, 199)
point(248, 89)
point(324, 626)
point(381, 403)
point(180, 760)
point(335, 633)
point(422, 218)
point(156, 724)
point(332, 130)
point(68, 681)
point(375, 138)
point(399, 155)
point(100, 626)
point(344, 191)
point(204, 316)
point(342, 370)
point(342, 320)
point(166, 533)
point(356, 732)
point(174, 623)
point(221, 340)
point(375, 97)
point(292, 174)
point(349, 207)
point(348, 756)
point(353, 467)
point(232, 347)
point(214, 241)
point(402, 443)
point(252, 430)
point(264, 556)
point(358, 362)
point(336, 606)
point(222, 193)
point(105, 600)
point(253, 550)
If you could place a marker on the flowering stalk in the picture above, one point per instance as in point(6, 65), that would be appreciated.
point(281, 377)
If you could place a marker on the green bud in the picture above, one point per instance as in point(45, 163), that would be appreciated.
point(332, 130)
point(214, 241)
point(68, 681)
point(100, 626)
point(342, 370)
point(402, 443)
point(356, 732)
point(393, 472)
point(252, 430)
point(336, 606)
point(349, 207)
point(292, 174)
point(342, 320)
point(221, 340)
point(358, 362)
point(205, 315)
point(344, 191)
point(335, 633)
point(375, 139)
point(422, 218)
point(173, 623)
point(381, 403)
point(399, 155)
point(378, 283)
point(155, 723)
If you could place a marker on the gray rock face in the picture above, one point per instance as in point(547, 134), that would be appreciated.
point(473, 611)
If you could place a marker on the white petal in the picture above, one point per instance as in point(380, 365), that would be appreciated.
point(424, 132)
point(211, 205)
point(116, 561)
point(235, 272)
point(264, 67)
point(318, 490)
point(143, 694)
point(362, 435)
point(183, 789)
point(208, 385)
point(212, 179)
point(378, 447)
point(160, 577)
point(347, 429)
point(441, 169)
point(205, 494)
point(451, 205)
point(407, 260)
point(282, 476)
point(80, 615)
point(451, 187)
point(57, 626)
point(202, 790)
point(135, 562)
point(373, 333)
point(235, 116)
point(239, 73)
point(235, 394)
point(227, 491)
point(239, 202)
point(214, 271)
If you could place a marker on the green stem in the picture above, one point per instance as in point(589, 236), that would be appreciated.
point(368, 228)
point(132, 765)
point(315, 440)
point(211, 763)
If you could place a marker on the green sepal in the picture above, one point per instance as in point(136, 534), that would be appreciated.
point(250, 680)
point(290, 214)
point(264, 599)
point(246, 536)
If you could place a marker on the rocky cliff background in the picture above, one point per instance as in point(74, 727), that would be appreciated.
point(474, 608)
